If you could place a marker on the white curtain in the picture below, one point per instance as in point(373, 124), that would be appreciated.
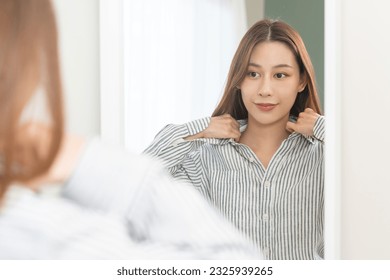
point(176, 58)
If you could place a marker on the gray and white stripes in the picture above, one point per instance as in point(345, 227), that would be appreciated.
point(280, 208)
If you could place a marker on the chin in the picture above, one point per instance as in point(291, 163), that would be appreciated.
point(269, 120)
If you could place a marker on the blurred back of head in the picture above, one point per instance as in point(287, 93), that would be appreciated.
point(29, 72)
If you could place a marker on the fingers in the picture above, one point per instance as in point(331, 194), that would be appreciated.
point(308, 113)
point(229, 121)
point(234, 129)
point(309, 110)
point(291, 127)
point(224, 126)
point(305, 122)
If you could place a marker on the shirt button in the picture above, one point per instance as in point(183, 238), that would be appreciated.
point(251, 159)
point(267, 184)
point(265, 217)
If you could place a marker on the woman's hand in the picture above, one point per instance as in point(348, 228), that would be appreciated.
point(304, 124)
point(224, 126)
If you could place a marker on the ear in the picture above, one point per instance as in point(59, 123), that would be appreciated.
point(302, 83)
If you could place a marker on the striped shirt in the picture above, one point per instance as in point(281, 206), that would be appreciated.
point(280, 208)
point(116, 206)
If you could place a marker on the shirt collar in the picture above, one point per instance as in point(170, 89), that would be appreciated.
point(243, 125)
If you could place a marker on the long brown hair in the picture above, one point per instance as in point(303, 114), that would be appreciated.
point(268, 30)
point(28, 61)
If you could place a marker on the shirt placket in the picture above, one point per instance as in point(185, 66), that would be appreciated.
point(267, 216)
point(269, 187)
point(264, 221)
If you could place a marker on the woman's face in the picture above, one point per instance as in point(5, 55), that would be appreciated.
point(271, 84)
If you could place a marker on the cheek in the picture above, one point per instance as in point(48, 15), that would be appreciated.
point(288, 92)
point(245, 98)
point(291, 96)
point(290, 99)
point(248, 89)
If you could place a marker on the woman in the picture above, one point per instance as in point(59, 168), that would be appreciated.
point(264, 172)
point(64, 198)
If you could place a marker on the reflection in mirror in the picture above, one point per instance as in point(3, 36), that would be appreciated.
point(259, 158)
point(181, 69)
point(169, 78)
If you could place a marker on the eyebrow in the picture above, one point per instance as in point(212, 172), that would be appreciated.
point(276, 66)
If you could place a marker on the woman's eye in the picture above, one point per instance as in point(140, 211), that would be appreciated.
point(280, 75)
point(253, 74)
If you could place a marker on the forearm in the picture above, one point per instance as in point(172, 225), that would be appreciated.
point(195, 136)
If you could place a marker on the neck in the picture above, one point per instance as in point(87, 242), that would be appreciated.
point(259, 135)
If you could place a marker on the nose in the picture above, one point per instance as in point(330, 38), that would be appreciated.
point(264, 89)
point(264, 94)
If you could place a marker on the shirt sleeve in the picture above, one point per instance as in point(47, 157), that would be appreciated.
point(169, 144)
point(179, 156)
point(319, 129)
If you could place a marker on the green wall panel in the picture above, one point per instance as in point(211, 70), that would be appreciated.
point(306, 16)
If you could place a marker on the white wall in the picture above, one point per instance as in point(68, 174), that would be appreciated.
point(364, 117)
point(78, 24)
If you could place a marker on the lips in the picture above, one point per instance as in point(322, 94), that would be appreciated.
point(265, 106)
